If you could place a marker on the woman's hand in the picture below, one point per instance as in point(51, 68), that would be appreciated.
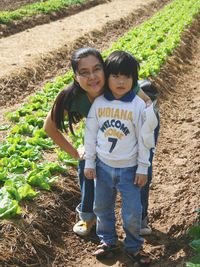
point(145, 97)
point(148, 103)
point(90, 173)
point(140, 179)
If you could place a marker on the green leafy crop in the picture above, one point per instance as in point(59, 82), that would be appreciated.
point(45, 7)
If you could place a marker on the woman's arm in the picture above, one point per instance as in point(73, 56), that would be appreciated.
point(145, 97)
point(56, 135)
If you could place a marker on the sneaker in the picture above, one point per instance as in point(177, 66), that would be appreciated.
point(83, 228)
point(146, 230)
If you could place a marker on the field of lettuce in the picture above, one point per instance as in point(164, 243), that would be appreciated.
point(24, 169)
point(18, 16)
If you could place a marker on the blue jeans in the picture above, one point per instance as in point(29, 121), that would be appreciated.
point(145, 189)
point(85, 208)
point(110, 180)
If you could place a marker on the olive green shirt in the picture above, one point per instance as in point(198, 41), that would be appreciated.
point(81, 105)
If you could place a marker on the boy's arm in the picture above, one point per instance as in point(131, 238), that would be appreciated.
point(150, 122)
point(90, 141)
point(143, 151)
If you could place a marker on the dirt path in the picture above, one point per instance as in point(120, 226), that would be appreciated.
point(31, 55)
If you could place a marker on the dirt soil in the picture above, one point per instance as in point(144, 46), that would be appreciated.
point(43, 235)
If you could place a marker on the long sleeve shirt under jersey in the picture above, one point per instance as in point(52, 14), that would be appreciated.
point(113, 134)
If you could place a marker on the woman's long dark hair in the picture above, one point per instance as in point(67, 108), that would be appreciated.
point(66, 97)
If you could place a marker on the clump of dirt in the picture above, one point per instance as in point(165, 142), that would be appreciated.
point(39, 19)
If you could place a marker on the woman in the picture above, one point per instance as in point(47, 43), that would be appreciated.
point(74, 102)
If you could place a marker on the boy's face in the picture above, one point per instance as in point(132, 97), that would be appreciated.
point(119, 84)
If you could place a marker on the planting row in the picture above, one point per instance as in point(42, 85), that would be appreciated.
point(29, 10)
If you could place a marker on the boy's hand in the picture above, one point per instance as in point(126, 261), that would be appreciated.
point(90, 173)
point(140, 179)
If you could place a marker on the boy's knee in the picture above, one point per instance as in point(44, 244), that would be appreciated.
point(132, 221)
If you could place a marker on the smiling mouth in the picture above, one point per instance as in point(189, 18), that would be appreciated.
point(94, 84)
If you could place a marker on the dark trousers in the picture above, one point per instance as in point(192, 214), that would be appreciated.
point(145, 189)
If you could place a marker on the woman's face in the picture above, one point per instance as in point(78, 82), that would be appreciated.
point(90, 76)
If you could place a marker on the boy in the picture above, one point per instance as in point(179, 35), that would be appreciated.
point(116, 155)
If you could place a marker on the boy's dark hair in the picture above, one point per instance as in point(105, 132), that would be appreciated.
point(122, 62)
point(66, 97)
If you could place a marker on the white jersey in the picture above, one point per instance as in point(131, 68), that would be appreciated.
point(113, 134)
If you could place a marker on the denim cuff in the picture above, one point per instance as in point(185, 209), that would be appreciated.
point(85, 216)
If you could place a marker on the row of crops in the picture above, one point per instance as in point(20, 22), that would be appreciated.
point(23, 169)
point(41, 7)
